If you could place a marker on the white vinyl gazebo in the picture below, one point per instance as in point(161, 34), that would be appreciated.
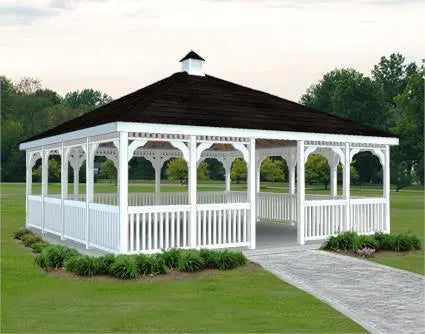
point(196, 116)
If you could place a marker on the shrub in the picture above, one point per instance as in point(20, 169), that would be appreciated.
point(226, 260)
point(21, 232)
point(190, 261)
point(209, 257)
point(105, 263)
point(125, 267)
point(171, 257)
point(367, 241)
point(151, 264)
point(29, 239)
point(346, 241)
point(83, 265)
point(54, 256)
point(383, 240)
point(37, 247)
point(404, 242)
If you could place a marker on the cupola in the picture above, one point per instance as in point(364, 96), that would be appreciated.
point(193, 64)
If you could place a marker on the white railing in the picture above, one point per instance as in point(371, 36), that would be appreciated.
point(53, 215)
point(75, 220)
point(34, 211)
point(223, 222)
point(222, 225)
point(104, 228)
point(277, 207)
point(367, 215)
point(158, 227)
point(323, 218)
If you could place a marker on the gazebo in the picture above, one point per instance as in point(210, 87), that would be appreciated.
point(196, 116)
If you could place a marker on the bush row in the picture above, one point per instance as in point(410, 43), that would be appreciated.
point(128, 266)
point(351, 242)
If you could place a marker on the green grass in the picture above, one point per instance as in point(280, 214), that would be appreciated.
point(236, 301)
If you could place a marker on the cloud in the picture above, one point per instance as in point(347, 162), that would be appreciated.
point(23, 14)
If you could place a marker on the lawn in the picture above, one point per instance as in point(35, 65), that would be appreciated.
point(235, 301)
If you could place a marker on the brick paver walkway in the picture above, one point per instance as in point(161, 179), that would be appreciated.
point(380, 298)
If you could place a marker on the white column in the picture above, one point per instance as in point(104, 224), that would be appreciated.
point(252, 194)
point(301, 192)
point(291, 168)
point(192, 169)
point(386, 182)
point(334, 177)
point(76, 178)
point(64, 187)
point(28, 186)
point(123, 191)
point(346, 184)
point(157, 177)
point(227, 164)
point(44, 183)
point(228, 179)
point(258, 176)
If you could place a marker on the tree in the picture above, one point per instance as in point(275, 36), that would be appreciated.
point(410, 128)
point(54, 173)
point(271, 170)
point(27, 86)
point(108, 171)
point(86, 99)
point(392, 73)
point(203, 171)
point(239, 170)
point(317, 170)
point(177, 170)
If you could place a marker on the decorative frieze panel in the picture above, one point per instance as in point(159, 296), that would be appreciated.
point(157, 136)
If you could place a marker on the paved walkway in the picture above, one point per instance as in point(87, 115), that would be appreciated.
point(379, 298)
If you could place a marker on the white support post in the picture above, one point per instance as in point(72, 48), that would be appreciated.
point(386, 181)
point(157, 177)
point(258, 176)
point(346, 184)
point(123, 191)
point(334, 178)
point(28, 185)
point(76, 179)
point(192, 168)
point(64, 187)
point(252, 194)
point(44, 183)
point(227, 171)
point(292, 179)
point(301, 192)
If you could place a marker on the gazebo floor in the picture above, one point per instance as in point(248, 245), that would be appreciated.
point(271, 238)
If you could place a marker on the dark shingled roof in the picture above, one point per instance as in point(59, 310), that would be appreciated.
point(192, 55)
point(184, 99)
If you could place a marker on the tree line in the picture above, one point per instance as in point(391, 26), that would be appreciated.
point(391, 99)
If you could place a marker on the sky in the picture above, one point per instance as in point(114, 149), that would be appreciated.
point(278, 46)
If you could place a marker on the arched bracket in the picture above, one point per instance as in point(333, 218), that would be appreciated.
point(183, 148)
point(135, 144)
point(375, 151)
point(243, 149)
point(201, 148)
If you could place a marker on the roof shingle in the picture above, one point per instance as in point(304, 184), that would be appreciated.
point(184, 99)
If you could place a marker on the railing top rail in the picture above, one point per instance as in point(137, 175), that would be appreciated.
point(333, 202)
point(368, 200)
point(158, 208)
point(76, 204)
point(221, 206)
point(104, 207)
